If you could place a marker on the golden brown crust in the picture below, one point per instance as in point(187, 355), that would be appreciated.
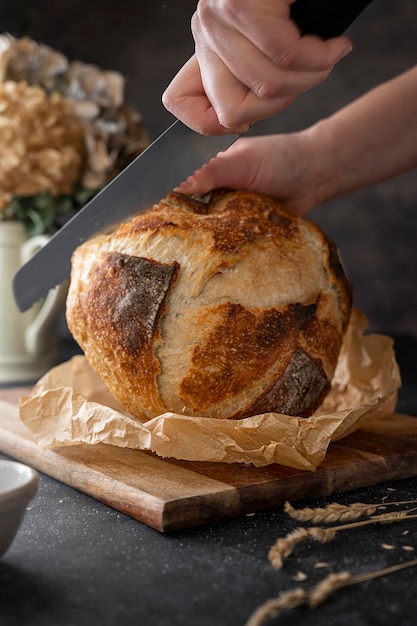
point(223, 308)
point(128, 296)
point(267, 341)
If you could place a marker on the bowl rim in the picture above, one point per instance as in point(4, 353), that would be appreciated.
point(29, 486)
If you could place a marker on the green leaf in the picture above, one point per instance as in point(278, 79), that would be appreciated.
point(43, 212)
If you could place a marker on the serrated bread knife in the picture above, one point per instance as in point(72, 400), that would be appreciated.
point(169, 160)
point(176, 154)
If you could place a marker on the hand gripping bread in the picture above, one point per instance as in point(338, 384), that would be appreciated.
point(222, 308)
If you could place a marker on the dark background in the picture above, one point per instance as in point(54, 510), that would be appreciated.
point(148, 40)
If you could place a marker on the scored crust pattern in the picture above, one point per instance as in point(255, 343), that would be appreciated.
point(222, 308)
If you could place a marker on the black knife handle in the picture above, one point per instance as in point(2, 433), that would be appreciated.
point(326, 18)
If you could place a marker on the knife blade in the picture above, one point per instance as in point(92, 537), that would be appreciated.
point(170, 159)
point(173, 156)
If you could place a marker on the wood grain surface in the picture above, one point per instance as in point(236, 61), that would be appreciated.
point(167, 494)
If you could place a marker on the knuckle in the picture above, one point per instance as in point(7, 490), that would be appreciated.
point(208, 11)
point(284, 59)
point(228, 118)
point(320, 78)
point(195, 23)
point(204, 12)
point(231, 8)
point(268, 89)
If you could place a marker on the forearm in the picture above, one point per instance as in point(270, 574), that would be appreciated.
point(373, 139)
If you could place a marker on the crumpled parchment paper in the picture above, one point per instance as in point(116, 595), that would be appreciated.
point(71, 405)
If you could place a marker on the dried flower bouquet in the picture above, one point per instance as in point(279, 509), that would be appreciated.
point(65, 131)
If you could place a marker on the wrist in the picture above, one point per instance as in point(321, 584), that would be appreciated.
point(320, 163)
point(306, 158)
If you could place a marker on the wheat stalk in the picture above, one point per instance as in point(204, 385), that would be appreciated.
point(387, 518)
point(284, 546)
point(271, 608)
point(328, 585)
point(318, 593)
point(331, 513)
point(331, 583)
point(335, 512)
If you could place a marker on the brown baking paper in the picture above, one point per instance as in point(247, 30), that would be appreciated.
point(71, 405)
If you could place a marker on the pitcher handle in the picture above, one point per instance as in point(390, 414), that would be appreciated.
point(48, 308)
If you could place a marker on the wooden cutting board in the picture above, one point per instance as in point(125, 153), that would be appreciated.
point(169, 495)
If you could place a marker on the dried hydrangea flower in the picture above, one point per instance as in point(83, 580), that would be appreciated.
point(41, 142)
point(24, 59)
point(114, 132)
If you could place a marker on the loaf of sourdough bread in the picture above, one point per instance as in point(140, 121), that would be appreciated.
point(222, 307)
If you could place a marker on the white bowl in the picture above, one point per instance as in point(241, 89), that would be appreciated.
point(18, 485)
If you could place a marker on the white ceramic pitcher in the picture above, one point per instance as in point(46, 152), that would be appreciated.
point(28, 341)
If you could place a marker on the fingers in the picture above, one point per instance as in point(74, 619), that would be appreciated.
point(214, 100)
point(295, 72)
point(263, 28)
point(244, 83)
point(199, 183)
point(235, 105)
point(229, 169)
point(186, 98)
point(250, 63)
